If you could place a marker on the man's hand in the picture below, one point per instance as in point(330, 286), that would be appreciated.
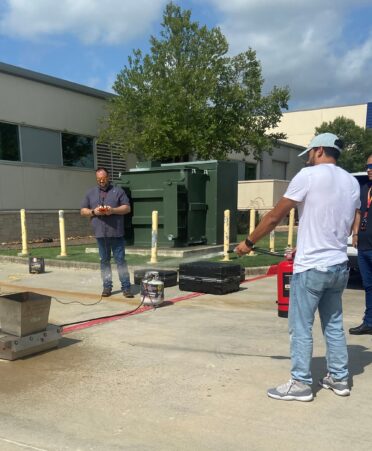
point(108, 210)
point(355, 240)
point(242, 249)
point(98, 211)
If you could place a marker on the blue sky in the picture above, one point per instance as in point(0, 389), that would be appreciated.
point(321, 49)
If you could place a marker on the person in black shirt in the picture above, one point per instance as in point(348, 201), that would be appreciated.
point(362, 239)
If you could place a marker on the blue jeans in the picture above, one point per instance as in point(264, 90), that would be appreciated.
point(365, 267)
point(322, 290)
point(116, 245)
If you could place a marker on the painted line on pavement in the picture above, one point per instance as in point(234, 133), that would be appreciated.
point(22, 445)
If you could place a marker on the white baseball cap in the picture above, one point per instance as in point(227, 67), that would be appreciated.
point(324, 140)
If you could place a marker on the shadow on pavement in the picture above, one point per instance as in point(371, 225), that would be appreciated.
point(359, 358)
point(65, 342)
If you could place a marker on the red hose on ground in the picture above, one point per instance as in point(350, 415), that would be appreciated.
point(97, 321)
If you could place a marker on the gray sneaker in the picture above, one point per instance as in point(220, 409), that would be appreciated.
point(341, 388)
point(291, 391)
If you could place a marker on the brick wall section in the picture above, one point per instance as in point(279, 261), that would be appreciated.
point(42, 225)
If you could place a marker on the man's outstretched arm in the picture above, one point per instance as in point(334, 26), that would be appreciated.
point(267, 224)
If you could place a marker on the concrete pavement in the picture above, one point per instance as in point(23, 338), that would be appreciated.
point(188, 376)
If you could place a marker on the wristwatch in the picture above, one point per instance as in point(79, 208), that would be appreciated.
point(249, 243)
point(92, 211)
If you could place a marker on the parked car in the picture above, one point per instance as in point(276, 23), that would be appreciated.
point(352, 253)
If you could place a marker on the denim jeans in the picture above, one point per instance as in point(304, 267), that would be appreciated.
point(311, 290)
point(116, 246)
point(365, 267)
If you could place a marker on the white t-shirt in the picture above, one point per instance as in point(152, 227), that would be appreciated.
point(327, 198)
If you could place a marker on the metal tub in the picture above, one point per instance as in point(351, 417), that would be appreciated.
point(24, 313)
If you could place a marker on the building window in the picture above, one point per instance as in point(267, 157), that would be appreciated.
point(77, 150)
point(40, 146)
point(250, 171)
point(279, 170)
point(9, 143)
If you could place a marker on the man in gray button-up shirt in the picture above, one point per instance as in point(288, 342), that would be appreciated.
point(106, 205)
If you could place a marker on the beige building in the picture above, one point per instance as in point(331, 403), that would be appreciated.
point(299, 126)
point(282, 163)
point(48, 148)
point(49, 152)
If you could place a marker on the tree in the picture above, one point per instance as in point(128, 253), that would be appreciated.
point(357, 142)
point(187, 97)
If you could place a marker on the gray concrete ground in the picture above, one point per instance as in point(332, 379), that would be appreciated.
point(188, 376)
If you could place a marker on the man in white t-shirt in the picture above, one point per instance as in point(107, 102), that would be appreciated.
point(327, 198)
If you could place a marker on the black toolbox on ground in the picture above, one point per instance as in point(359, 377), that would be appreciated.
point(168, 276)
point(209, 277)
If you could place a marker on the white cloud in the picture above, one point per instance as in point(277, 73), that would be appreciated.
point(110, 80)
point(356, 60)
point(92, 21)
point(303, 44)
point(93, 82)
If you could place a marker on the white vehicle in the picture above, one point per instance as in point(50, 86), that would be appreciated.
point(352, 253)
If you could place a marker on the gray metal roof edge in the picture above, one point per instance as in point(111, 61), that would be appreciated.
point(289, 144)
point(325, 107)
point(53, 81)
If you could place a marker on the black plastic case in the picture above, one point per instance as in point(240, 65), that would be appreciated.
point(209, 277)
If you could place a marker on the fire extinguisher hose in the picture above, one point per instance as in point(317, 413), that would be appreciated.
point(259, 250)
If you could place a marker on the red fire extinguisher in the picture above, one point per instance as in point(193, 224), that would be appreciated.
point(285, 271)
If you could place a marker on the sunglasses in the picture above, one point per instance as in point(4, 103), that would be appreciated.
point(368, 167)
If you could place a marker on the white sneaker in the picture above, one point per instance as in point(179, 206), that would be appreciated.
point(291, 391)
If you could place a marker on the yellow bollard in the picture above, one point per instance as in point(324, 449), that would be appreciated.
point(24, 251)
point(272, 241)
point(154, 238)
point(226, 236)
point(62, 235)
point(252, 226)
point(290, 228)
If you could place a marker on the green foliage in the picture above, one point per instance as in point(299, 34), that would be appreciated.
point(357, 140)
point(188, 97)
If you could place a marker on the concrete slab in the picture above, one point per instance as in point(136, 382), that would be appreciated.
point(184, 252)
point(189, 376)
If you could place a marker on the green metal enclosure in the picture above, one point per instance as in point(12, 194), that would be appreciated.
point(190, 199)
point(221, 194)
point(179, 197)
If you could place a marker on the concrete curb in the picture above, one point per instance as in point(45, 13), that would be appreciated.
point(251, 271)
point(51, 262)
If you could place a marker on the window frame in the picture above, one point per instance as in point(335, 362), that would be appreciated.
point(18, 142)
point(93, 150)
